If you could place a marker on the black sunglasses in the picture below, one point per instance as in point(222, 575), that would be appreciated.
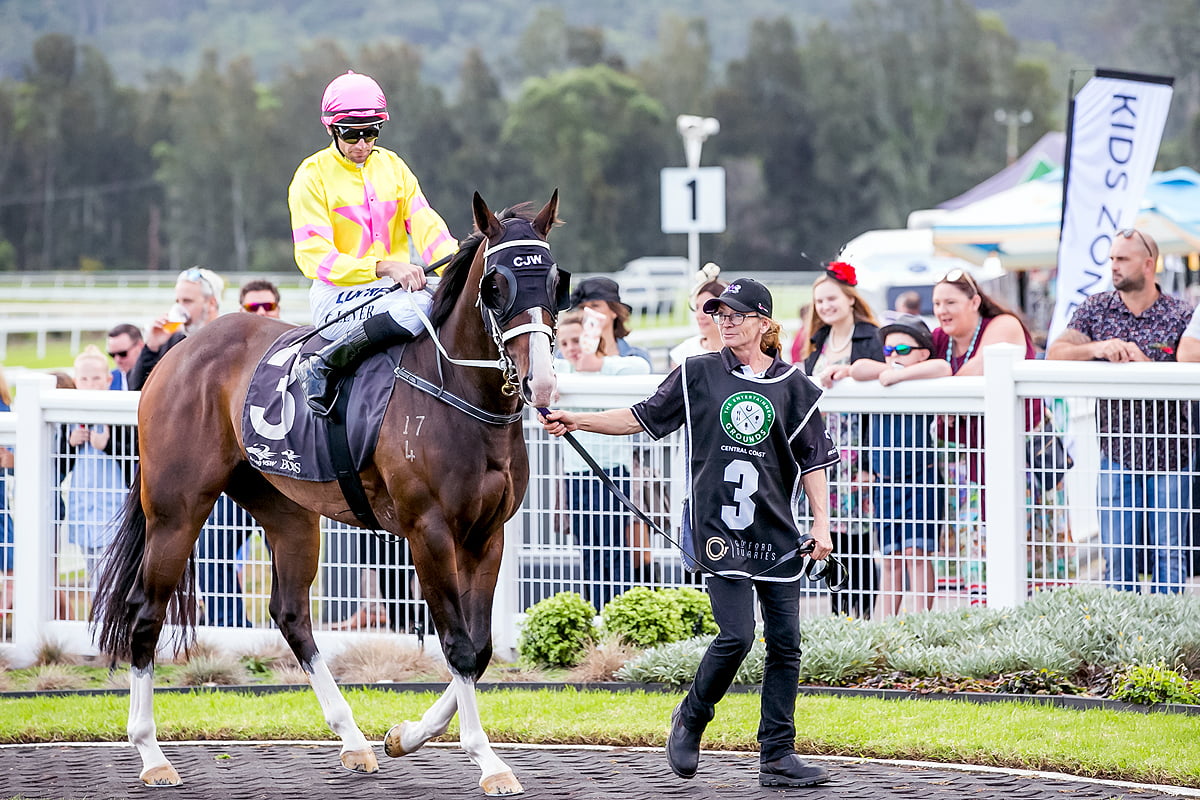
point(117, 353)
point(254, 307)
point(1128, 233)
point(350, 135)
point(900, 349)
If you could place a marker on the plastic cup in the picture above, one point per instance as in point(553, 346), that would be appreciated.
point(177, 317)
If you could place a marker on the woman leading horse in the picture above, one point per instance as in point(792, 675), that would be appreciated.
point(448, 490)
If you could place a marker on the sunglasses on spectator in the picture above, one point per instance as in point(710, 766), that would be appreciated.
point(737, 317)
point(196, 275)
point(1128, 233)
point(254, 308)
point(961, 276)
point(900, 349)
point(117, 353)
point(350, 135)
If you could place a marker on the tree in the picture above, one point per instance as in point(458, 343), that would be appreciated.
point(596, 135)
point(677, 74)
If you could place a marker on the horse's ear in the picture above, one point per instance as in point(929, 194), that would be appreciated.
point(485, 220)
point(546, 218)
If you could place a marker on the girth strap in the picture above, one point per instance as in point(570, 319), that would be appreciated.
point(343, 462)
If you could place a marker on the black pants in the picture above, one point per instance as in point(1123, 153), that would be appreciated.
point(733, 609)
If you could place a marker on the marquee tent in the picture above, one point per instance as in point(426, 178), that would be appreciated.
point(1020, 225)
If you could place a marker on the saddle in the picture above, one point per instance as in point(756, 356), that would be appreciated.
point(283, 437)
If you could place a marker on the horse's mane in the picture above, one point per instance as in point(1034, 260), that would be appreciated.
point(454, 277)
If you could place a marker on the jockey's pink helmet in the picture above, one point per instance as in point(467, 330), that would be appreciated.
point(353, 99)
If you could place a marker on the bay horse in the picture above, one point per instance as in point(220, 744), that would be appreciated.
point(449, 491)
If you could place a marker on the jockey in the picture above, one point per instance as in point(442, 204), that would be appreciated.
point(353, 208)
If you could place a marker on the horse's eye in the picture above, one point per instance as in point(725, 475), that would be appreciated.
point(494, 290)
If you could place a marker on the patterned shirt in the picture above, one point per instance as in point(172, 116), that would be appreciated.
point(1140, 434)
point(348, 217)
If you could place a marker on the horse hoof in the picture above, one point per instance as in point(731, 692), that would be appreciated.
point(162, 775)
point(360, 761)
point(393, 743)
point(501, 783)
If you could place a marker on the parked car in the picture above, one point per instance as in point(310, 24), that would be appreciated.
point(652, 284)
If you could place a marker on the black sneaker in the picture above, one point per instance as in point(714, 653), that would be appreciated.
point(791, 770)
point(683, 748)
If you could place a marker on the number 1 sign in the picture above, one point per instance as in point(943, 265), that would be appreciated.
point(693, 200)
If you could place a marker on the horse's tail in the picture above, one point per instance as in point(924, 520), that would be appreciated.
point(120, 591)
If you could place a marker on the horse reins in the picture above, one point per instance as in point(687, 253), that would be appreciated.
point(813, 570)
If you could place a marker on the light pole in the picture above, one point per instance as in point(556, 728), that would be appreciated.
point(1014, 120)
point(694, 131)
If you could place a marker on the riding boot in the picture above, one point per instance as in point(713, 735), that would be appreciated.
point(320, 373)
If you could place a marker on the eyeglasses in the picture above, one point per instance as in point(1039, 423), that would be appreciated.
point(901, 349)
point(254, 308)
point(196, 275)
point(350, 135)
point(117, 353)
point(736, 318)
point(1127, 233)
point(961, 276)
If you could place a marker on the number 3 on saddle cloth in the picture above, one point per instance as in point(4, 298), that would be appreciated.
point(283, 437)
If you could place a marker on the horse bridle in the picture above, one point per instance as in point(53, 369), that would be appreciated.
point(497, 308)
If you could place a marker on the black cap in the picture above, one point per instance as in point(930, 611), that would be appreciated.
point(745, 295)
point(598, 288)
point(911, 324)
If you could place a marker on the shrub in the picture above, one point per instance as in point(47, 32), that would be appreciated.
point(644, 617)
point(374, 659)
point(676, 663)
point(207, 670)
point(696, 609)
point(1149, 683)
point(557, 630)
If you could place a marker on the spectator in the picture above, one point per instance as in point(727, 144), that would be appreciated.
point(354, 207)
point(907, 498)
point(708, 340)
point(603, 295)
point(842, 329)
point(1144, 495)
point(95, 483)
point(124, 346)
point(754, 436)
point(6, 522)
point(907, 304)
point(260, 297)
point(197, 302)
point(598, 520)
point(800, 340)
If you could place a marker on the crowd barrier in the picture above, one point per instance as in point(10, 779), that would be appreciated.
point(915, 470)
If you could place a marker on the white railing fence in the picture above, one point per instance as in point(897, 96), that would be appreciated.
point(909, 503)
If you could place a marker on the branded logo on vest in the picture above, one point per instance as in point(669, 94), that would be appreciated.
point(716, 548)
point(746, 417)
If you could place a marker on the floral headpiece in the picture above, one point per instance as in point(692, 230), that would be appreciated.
point(842, 272)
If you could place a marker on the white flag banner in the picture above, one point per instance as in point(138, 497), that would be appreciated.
point(1115, 127)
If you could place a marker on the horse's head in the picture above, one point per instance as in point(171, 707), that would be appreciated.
point(522, 289)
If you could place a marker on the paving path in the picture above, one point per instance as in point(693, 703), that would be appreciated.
point(283, 771)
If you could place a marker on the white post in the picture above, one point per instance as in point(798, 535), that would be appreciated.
point(694, 131)
point(1004, 435)
point(506, 605)
point(33, 538)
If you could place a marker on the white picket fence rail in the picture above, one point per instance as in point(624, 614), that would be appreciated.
point(999, 563)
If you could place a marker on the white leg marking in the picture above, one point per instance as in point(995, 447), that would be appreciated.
point(140, 726)
point(408, 737)
point(337, 711)
point(475, 741)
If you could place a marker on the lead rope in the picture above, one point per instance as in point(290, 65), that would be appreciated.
point(832, 570)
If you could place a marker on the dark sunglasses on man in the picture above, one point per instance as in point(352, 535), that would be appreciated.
point(351, 135)
point(254, 308)
point(117, 353)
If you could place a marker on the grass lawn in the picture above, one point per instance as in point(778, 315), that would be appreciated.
point(1153, 748)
